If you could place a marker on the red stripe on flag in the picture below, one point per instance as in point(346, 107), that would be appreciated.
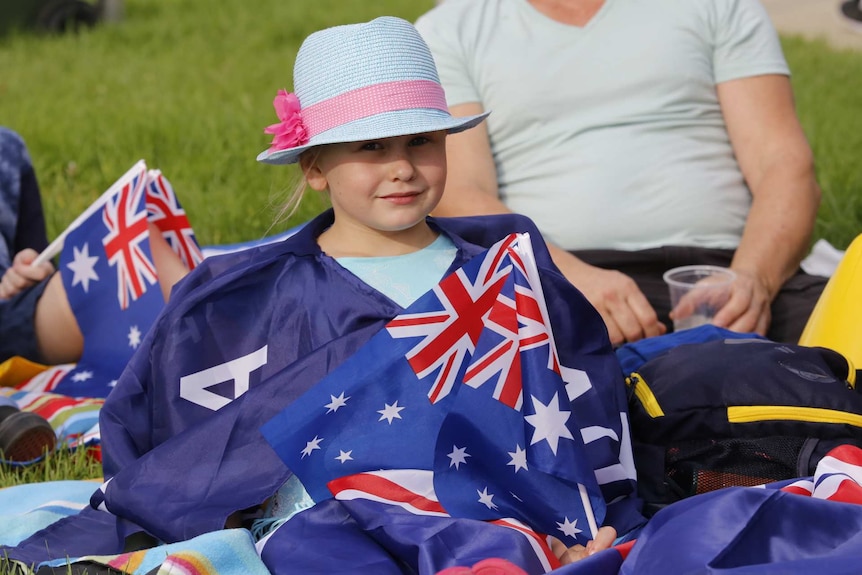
point(540, 540)
point(384, 489)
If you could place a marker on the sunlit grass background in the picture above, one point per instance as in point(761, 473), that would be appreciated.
point(187, 85)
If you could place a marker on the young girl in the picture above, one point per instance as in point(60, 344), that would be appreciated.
point(245, 334)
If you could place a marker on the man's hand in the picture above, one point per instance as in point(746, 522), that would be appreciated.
point(625, 310)
point(748, 309)
point(23, 275)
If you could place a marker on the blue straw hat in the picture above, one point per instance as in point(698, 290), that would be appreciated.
point(360, 82)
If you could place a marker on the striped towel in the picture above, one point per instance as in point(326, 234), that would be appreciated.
point(25, 509)
point(75, 419)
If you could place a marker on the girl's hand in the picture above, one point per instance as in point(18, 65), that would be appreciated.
point(23, 275)
point(604, 539)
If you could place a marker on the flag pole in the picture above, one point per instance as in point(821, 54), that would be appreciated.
point(57, 245)
point(588, 509)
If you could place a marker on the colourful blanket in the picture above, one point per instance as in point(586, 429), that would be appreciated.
point(786, 528)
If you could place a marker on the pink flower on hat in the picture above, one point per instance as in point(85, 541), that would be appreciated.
point(290, 132)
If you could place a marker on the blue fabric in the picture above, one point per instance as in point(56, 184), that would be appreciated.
point(111, 283)
point(456, 408)
point(233, 307)
point(749, 531)
point(633, 355)
point(308, 314)
point(22, 223)
point(17, 316)
point(368, 537)
point(27, 508)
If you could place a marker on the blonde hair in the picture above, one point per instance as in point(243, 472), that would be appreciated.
point(294, 199)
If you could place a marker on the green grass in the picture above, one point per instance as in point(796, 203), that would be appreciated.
point(828, 89)
point(57, 466)
point(187, 85)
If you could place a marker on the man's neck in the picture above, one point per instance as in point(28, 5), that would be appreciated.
point(571, 12)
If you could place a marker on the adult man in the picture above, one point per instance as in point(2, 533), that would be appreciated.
point(639, 135)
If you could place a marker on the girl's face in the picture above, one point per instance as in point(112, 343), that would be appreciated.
point(382, 187)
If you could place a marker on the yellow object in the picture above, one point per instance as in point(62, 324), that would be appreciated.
point(16, 370)
point(836, 321)
point(754, 413)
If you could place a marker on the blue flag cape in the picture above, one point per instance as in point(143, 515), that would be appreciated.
point(243, 336)
point(460, 407)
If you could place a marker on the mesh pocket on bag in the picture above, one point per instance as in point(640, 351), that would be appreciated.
point(706, 465)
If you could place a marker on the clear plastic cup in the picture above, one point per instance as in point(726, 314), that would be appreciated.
point(697, 293)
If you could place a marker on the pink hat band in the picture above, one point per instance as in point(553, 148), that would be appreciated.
point(298, 125)
point(370, 101)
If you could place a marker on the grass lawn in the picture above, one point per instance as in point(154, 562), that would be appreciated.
point(187, 85)
point(59, 465)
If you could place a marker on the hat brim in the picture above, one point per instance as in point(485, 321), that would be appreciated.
point(386, 125)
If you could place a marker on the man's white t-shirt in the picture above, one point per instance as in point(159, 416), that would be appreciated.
point(610, 136)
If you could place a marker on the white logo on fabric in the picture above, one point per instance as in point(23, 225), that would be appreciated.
point(193, 387)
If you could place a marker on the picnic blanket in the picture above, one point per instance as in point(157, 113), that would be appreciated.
point(75, 419)
point(796, 527)
point(26, 509)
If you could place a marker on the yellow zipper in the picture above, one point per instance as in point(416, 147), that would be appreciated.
point(645, 395)
point(752, 413)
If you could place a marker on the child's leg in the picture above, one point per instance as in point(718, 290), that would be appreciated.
point(169, 266)
point(58, 337)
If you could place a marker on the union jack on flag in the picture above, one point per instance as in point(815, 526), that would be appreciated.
point(473, 308)
point(125, 216)
point(165, 211)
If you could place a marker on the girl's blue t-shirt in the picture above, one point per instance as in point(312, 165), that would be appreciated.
point(406, 277)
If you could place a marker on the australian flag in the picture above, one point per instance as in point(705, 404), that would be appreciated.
point(459, 408)
point(110, 277)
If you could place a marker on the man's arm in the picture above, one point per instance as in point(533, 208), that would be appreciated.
point(778, 167)
point(471, 189)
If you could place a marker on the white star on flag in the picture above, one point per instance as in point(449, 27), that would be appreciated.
point(112, 383)
point(458, 456)
point(134, 337)
point(311, 446)
point(82, 376)
point(519, 458)
point(336, 402)
point(569, 528)
point(485, 498)
point(344, 456)
point(390, 412)
point(549, 422)
point(82, 267)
